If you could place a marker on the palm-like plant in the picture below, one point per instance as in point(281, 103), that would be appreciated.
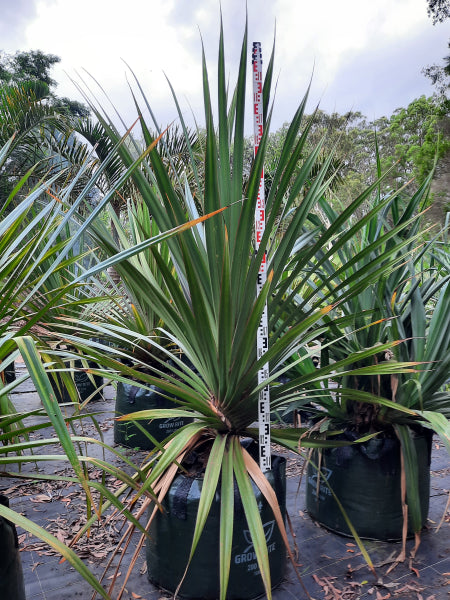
point(406, 306)
point(212, 312)
point(131, 310)
point(42, 135)
point(176, 150)
point(407, 303)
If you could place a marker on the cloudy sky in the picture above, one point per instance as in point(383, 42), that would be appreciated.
point(366, 55)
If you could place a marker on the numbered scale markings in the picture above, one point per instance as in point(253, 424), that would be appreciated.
point(262, 341)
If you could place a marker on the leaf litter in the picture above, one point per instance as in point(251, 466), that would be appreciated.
point(71, 518)
point(333, 589)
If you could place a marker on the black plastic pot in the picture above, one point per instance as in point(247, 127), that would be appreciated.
point(87, 385)
point(9, 373)
point(278, 416)
point(366, 479)
point(170, 538)
point(131, 398)
point(12, 585)
point(299, 412)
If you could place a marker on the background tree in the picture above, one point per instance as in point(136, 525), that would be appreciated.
point(438, 10)
point(35, 66)
point(440, 77)
point(408, 143)
point(40, 123)
point(417, 137)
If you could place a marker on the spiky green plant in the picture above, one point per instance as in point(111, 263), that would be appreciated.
point(211, 311)
point(407, 307)
point(130, 310)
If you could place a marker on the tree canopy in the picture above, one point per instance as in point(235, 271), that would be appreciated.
point(438, 10)
point(440, 76)
point(34, 66)
point(40, 123)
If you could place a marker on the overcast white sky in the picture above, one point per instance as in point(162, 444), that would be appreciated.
point(367, 55)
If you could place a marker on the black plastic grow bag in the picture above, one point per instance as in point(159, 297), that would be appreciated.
point(9, 373)
point(170, 538)
point(131, 398)
point(366, 479)
point(87, 384)
point(12, 585)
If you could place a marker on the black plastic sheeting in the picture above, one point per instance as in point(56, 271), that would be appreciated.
point(170, 538)
point(366, 479)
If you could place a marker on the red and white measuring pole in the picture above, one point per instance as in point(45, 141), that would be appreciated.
point(262, 342)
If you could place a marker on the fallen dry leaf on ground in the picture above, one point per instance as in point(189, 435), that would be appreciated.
point(41, 498)
point(334, 591)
